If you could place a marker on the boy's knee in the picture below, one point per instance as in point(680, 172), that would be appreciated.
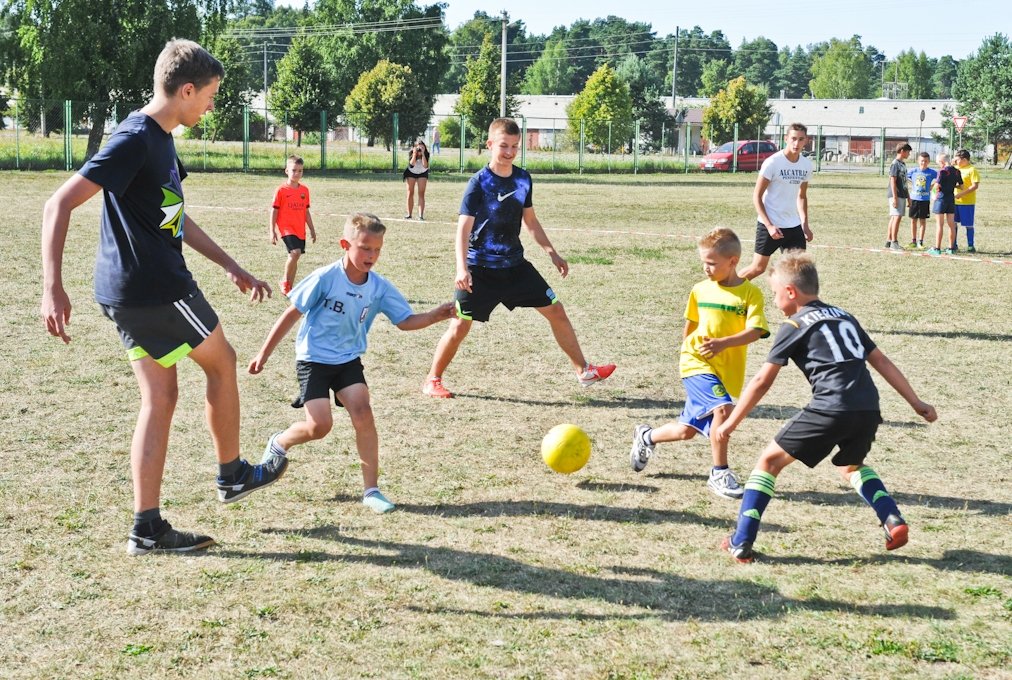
point(294, 254)
point(361, 416)
point(318, 429)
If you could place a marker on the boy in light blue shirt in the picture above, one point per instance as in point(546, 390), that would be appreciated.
point(921, 179)
point(339, 303)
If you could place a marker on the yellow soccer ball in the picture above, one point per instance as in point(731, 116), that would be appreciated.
point(566, 448)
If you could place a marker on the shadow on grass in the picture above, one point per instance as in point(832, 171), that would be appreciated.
point(673, 406)
point(587, 485)
point(970, 561)
point(983, 507)
point(666, 595)
point(951, 335)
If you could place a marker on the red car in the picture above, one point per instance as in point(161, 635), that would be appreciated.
point(751, 154)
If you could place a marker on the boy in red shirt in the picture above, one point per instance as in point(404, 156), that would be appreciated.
point(290, 217)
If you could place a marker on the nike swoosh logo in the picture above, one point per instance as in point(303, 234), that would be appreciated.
point(503, 197)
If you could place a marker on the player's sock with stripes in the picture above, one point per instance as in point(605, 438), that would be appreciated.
point(758, 493)
point(969, 237)
point(148, 523)
point(228, 472)
point(868, 485)
point(647, 438)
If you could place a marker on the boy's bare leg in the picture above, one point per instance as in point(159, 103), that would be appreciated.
point(421, 182)
point(448, 344)
point(672, 432)
point(952, 229)
point(756, 268)
point(355, 399)
point(938, 231)
point(150, 442)
point(564, 334)
point(217, 358)
point(718, 447)
point(318, 423)
point(292, 265)
point(410, 184)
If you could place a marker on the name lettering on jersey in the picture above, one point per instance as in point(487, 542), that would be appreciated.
point(822, 314)
point(793, 175)
point(334, 305)
point(503, 197)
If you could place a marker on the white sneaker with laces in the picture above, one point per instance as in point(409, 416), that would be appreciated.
point(641, 452)
point(725, 484)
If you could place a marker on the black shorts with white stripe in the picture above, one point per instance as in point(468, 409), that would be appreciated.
point(166, 333)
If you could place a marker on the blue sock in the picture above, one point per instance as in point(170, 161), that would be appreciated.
point(719, 467)
point(873, 491)
point(758, 493)
point(969, 237)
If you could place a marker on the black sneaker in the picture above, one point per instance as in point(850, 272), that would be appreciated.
point(896, 531)
point(743, 553)
point(168, 540)
point(253, 477)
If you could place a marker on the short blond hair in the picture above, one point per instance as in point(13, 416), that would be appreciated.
point(505, 125)
point(723, 240)
point(797, 268)
point(363, 222)
point(182, 62)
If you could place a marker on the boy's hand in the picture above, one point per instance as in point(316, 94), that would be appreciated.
point(723, 433)
point(257, 363)
point(560, 264)
point(926, 411)
point(312, 233)
point(56, 313)
point(711, 346)
point(774, 231)
point(245, 281)
point(274, 237)
point(463, 280)
point(447, 310)
point(808, 232)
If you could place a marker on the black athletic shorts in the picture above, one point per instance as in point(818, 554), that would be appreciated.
point(520, 286)
point(919, 210)
point(811, 435)
point(317, 381)
point(794, 239)
point(166, 333)
point(417, 175)
point(293, 242)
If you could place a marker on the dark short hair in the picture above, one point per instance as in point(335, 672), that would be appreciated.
point(963, 153)
point(799, 127)
point(924, 154)
point(903, 147)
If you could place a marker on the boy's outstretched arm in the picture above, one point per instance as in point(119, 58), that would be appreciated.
point(541, 238)
point(272, 226)
point(888, 370)
point(756, 389)
point(426, 319)
point(197, 238)
point(288, 318)
point(55, 225)
point(462, 279)
point(713, 346)
point(309, 223)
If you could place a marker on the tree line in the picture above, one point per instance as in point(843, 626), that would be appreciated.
point(367, 58)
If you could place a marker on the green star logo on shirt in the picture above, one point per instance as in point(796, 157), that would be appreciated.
point(172, 206)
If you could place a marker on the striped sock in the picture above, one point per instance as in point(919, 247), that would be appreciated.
point(758, 493)
point(867, 484)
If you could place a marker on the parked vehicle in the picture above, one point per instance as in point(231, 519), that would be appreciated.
point(751, 153)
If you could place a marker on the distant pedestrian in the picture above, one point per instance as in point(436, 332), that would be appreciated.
point(436, 137)
point(899, 197)
point(417, 175)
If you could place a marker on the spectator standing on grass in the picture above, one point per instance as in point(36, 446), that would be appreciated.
point(898, 195)
point(966, 199)
point(143, 285)
point(781, 202)
point(436, 137)
point(833, 351)
point(337, 305)
point(290, 217)
point(417, 175)
point(921, 178)
point(491, 268)
point(944, 204)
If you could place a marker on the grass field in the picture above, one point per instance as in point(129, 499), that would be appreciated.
point(493, 566)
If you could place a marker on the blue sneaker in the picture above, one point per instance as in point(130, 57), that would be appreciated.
point(378, 503)
point(253, 477)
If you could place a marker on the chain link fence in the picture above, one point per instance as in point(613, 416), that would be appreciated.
point(51, 134)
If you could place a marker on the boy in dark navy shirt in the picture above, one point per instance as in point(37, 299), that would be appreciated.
point(491, 269)
point(831, 349)
point(143, 285)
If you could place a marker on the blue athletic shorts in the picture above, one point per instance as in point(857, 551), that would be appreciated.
point(964, 214)
point(703, 394)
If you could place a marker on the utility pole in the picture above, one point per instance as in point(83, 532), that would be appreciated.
point(502, 67)
point(674, 71)
point(265, 73)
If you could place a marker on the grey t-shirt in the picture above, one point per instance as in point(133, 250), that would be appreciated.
point(898, 169)
point(830, 348)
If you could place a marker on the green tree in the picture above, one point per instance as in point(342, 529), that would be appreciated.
point(551, 73)
point(479, 97)
point(716, 75)
point(984, 89)
point(604, 106)
point(305, 86)
point(944, 76)
point(794, 72)
point(647, 108)
point(695, 49)
point(387, 89)
point(843, 72)
point(757, 61)
point(465, 41)
point(234, 93)
point(914, 71)
point(99, 53)
point(740, 103)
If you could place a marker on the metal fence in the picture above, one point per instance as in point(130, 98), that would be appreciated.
point(49, 134)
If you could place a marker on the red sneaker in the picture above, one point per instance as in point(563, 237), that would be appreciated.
point(433, 387)
point(741, 553)
point(896, 531)
point(592, 374)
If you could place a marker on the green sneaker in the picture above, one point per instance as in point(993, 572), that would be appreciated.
point(378, 503)
point(934, 251)
point(971, 249)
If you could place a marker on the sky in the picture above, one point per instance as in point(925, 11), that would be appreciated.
point(933, 26)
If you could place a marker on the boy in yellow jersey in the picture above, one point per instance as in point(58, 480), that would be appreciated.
point(723, 315)
point(966, 198)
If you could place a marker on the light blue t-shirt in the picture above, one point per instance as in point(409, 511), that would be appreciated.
point(339, 313)
point(920, 183)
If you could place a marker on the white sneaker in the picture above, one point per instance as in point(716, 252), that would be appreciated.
point(895, 246)
point(725, 484)
point(640, 454)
